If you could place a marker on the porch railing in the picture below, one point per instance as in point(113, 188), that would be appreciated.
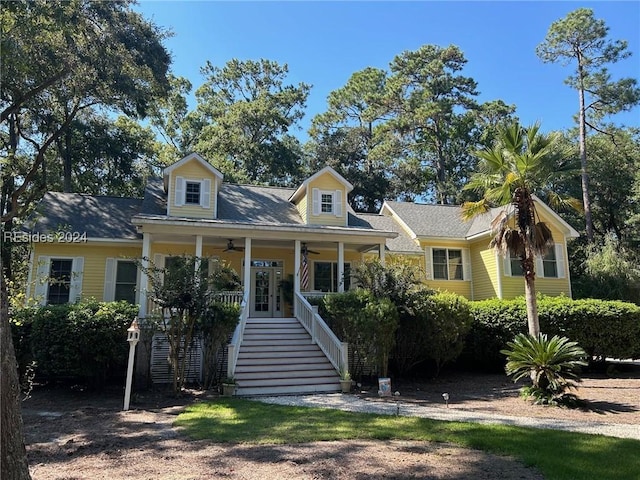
point(335, 350)
point(234, 346)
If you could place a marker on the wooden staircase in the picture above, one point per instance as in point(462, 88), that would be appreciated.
point(277, 357)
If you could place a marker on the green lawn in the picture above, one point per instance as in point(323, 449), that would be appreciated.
point(557, 454)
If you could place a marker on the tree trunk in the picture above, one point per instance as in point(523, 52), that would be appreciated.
point(14, 464)
point(583, 158)
point(530, 296)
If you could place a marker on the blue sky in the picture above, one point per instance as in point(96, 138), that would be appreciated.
point(323, 43)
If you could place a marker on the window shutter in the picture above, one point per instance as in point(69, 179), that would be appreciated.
point(337, 201)
point(539, 267)
point(109, 280)
point(205, 198)
point(178, 201)
point(560, 260)
point(75, 289)
point(428, 258)
point(466, 264)
point(316, 201)
point(42, 280)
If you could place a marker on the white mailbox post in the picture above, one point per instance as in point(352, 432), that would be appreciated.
point(133, 337)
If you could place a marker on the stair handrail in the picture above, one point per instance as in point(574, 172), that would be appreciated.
point(234, 345)
point(321, 334)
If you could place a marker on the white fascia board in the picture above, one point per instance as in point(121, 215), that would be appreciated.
point(218, 224)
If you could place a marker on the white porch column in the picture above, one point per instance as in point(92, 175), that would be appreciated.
point(340, 267)
point(296, 266)
point(381, 249)
point(144, 277)
point(198, 252)
point(247, 268)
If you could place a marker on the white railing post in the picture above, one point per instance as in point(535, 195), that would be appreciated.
point(345, 356)
point(314, 335)
point(231, 353)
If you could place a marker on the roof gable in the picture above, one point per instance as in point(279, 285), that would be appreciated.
point(190, 158)
point(300, 191)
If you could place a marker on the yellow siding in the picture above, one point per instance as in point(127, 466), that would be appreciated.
point(330, 183)
point(461, 287)
point(483, 268)
point(95, 257)
point(303, 206)
point(514, 286)
point(192, 170)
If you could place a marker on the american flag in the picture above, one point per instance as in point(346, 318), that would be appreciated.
point(305, 271)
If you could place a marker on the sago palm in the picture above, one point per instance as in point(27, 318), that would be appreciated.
point(521, 162)
point(550, 363)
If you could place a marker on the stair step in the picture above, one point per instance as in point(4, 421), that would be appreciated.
point(293, 358)
point(288, 381)
point(274, 330)
point(277, 337)
point(288, 390)
point(258, 320)
point(284, 367)
point(271, 341)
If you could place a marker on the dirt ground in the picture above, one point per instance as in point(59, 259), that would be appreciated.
point(76, 435)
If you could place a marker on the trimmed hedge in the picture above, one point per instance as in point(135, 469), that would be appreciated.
point(602, 328)
point(86, 341)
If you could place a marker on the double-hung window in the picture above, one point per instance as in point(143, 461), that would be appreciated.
point(192, 193)
point(447, 264)
point(58, 279)
point(549, 265)
point(189, 191)
point(326, 202)
point(325, 276)
point(125, 284)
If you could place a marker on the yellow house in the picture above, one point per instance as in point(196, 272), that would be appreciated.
point(267, 235)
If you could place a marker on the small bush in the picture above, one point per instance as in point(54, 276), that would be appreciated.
point(550, 363)
point(367, 323)
point(86, 341)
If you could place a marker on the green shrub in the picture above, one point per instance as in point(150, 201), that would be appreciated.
point(604, 328)
point(495, 322)
point(434, 327)
point(550, 363)
point(448, 322)
point(367, 323)
point(86, 341)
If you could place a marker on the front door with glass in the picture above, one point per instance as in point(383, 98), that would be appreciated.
point(266, 296)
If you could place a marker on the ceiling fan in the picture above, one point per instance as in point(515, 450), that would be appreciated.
point(232, 248)
point(305, 250)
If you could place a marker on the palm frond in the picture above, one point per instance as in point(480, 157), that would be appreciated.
point(470, 210)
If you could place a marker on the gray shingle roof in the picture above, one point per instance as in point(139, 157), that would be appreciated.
point(255, 204)
point(402, 243)
point(155, 200)
point(98, 216)
point(432, 220)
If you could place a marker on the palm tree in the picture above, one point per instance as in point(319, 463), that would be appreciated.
point(521, 162)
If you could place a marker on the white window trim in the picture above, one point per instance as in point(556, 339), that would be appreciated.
point(180, 199)
point(336, 202)
point(43, 269)
point(110, 275)
point(539, 266)
point(466, 264)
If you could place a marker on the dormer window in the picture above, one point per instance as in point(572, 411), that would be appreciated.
point(326, 202)
point(192, 193)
